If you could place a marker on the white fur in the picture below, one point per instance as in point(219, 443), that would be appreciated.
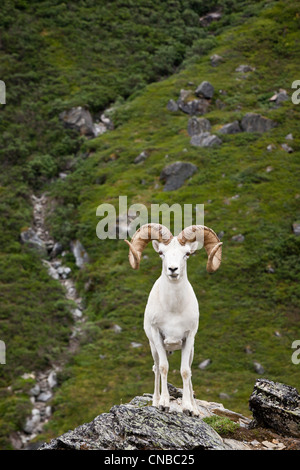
point(171, 321)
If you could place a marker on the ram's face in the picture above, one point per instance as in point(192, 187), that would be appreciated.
point(174, 257)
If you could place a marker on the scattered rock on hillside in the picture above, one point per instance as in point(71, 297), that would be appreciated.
point(198, 125)
point(30, 238)
point(204, 364)
point(258, 368)
point(244, 68)
point(80, 119)
point(195, 106)
point(279, 97)
point(287, 148)
point(238, 238)
point(253, 122)
point(207, 19)
point(277, 406)
point(174, 175)
point(205, 89)
point(296, 228)
point(216, 60)
point(141, 157)
point(79, 253)
point(172, 106)
point(107, 121)
point(230, 128)
point(271, 147)
point(205, 139)
point(56, 250)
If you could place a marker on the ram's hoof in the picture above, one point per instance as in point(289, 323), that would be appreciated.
point(188, 412)
point(164, 408)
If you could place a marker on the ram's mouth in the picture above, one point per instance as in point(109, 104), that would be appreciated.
point(174, 276)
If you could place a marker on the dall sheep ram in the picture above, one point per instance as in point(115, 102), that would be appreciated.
point(172, 312)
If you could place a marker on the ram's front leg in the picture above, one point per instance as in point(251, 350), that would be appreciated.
point(164, 400)
point(188, 403)
point(156, 393)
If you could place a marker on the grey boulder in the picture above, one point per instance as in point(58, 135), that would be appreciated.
point(205, 139)
point(172, 106)
point(231, 128)
point(277, 406)
point(79, 252)
point(205, 89)
point(253, 122)
point(30, 238)
point(193, 107)
point(244, 68)
point(80, 119)
point(174, 175)
point(198, 125)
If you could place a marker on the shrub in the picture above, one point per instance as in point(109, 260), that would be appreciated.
point(40, 169)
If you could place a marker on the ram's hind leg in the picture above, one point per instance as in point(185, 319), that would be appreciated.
point(156, 394)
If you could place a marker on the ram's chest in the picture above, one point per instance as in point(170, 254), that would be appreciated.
point(172, 324)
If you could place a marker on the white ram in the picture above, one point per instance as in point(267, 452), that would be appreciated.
point(172, 312)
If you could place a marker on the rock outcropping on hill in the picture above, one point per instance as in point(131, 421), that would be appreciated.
point(140, 426)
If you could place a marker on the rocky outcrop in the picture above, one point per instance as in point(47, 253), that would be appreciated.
point(194, 107)
point(174, 175)
point(276, 406)
point(80, 119)
point(129, 427)
point(140, 426)
point(189, 104)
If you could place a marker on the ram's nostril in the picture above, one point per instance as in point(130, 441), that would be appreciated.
point(173, 269)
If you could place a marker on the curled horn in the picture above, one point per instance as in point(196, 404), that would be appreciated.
point(211, 243)
point(142, 237)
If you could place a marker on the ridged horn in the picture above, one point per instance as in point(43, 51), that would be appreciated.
point(211, 243)
point(142, 237)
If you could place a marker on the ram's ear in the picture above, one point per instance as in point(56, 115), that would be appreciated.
point(155, 244)
point(193, 246)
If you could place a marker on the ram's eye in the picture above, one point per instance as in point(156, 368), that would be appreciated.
point(160, 253)
point(188, 254)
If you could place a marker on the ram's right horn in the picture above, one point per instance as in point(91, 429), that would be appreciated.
point(142, 237)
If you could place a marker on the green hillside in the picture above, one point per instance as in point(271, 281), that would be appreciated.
point(134, 59)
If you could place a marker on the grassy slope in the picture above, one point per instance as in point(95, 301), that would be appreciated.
point(242, 304)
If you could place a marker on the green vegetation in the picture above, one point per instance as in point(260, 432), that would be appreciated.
point(55, 56)
point(224, 426)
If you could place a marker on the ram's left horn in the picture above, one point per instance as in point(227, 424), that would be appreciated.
point(211, 243)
